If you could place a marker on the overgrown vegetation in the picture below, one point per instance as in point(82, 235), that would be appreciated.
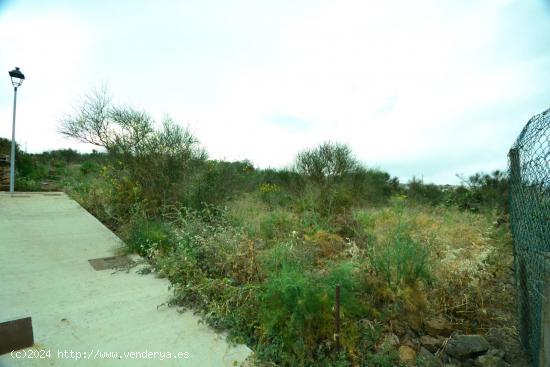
point(258, 252)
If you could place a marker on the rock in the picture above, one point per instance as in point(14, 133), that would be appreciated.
point(427, 359)
point(463, 347)
point(493, 358)
point(410, 341)
point(430, 343)
point(506, 342)
point(407, 355)
point(496, 352)
point(415, 322)
point(438, 326)
point(501, 341)
point(490, 361)
point(445, 358)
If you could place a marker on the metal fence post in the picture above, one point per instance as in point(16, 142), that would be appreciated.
point(522, 283)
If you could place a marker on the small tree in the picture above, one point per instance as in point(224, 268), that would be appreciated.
point(327, 163)
point(329, 167)
point(155, 160)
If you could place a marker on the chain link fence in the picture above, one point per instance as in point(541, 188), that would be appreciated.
point(529, 164)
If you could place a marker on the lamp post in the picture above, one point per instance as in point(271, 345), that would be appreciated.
point(16, 80)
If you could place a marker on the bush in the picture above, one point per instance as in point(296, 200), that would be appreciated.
point(327, 163)
point(144, 236)
point(289, 181)
point(215, 182)
point(338, 182)
point(313, 221)
point(278, 224)
point(274, 195)
point(25, 165)
point(89, 167)
point(155, 160)
point(425, 193)
point(297, 319)
point(326, 245)
point(328, 168)
point(479, 192)
point(483, 191)
point(363, 225)
point(373, 187)
point(289, 255)
point(27, 184)
point(63, 155)
point(401, 261)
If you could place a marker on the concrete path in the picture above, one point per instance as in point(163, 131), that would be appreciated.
point(101, 317)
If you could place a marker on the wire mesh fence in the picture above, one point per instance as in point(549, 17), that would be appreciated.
point(529, 164)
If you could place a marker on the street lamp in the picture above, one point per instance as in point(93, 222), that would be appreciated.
point(16, 80)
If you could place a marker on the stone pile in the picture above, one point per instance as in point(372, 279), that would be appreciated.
point(438, 345)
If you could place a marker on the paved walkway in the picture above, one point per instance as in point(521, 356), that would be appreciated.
point(46, 240)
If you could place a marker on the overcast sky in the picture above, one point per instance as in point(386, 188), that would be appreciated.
point(424, 88)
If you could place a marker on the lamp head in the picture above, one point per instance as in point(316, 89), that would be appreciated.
point(17, 77)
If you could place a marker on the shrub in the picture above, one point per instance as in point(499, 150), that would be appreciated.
point(288, 180)
point(144, 236)
point(313, 221)
point(290, 255)
point(362, 226)
point(327, 245)
point(220, 249)
point(424, 193)
point(63, 155)
point(27, 184)
point(215, 182)
point(483, 191)
point(27, 167)
point(327, 167)
point(401, 261)
point(155, 160)
point(339, 182)
point(89, 167)
point(372, 186)
point(273, 194)
point(327, 163)
point(277, 224)
point(297, 319)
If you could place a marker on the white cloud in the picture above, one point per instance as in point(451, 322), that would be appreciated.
point(427, 87)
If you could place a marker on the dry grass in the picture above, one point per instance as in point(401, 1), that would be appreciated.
point(249, 211)
point(470, 261)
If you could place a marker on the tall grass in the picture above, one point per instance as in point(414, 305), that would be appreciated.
point(401, 261)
